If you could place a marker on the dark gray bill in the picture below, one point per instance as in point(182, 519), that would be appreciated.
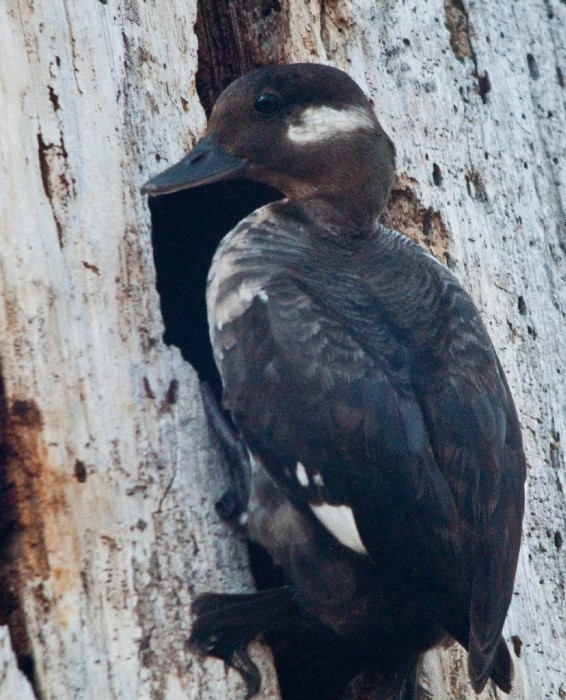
point(207, 162)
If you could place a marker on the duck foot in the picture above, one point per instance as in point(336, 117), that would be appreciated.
point(225, 624)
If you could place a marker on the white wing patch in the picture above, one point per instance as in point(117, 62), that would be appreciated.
point(224, 306)
point(339, 521)
point(302, 476)
point(318, 480)
point(322, 123)
point(235, 303)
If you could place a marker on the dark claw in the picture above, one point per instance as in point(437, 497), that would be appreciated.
point(242, 662)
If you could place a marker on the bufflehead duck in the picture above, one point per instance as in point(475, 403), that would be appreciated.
point(380, 454)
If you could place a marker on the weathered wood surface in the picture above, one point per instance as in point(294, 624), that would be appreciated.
point(109, 464)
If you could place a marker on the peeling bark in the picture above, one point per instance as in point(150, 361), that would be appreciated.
point(107, 474)
point(406, 212)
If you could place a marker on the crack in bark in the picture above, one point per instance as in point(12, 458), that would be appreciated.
point(458, 24)
point(235, 38)
point(56, 184)
point(164, 495)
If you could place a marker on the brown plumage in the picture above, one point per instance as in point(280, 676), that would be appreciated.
point(387, 470)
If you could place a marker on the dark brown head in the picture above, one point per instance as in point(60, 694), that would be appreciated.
point(305, 129)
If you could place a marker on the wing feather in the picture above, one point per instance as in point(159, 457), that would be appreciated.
point(401, 405)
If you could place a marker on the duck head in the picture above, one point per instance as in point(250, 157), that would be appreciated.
point(306, 129)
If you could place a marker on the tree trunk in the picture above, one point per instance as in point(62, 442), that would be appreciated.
point(109, 474)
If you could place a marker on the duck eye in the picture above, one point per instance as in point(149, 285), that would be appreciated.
point(267, 103)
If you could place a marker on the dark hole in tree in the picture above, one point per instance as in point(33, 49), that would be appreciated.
point(186, 230)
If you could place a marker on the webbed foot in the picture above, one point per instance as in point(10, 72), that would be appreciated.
point(224, 625)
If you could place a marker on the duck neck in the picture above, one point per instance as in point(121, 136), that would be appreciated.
point(357, 211)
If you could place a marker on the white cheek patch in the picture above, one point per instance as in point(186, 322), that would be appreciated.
point(339, 521)
point(322, 123)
